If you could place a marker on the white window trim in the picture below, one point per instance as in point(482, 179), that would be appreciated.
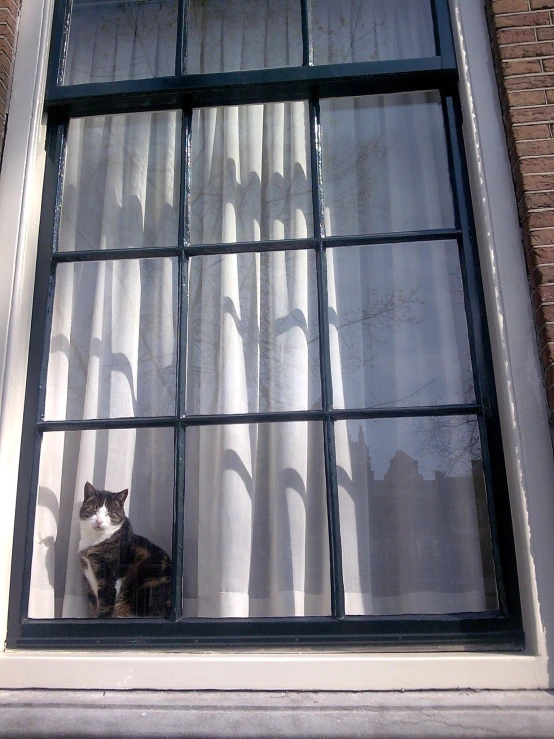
point(529, 457)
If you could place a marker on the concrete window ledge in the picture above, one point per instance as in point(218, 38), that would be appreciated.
point(210, 715)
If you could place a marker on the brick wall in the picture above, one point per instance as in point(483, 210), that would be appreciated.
point(9, 17)
point(522, 35)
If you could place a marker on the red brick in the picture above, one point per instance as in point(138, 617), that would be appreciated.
point(541, 275)
point(510, 6)
point(516, 35)
point(548, 65)
point(540, 255)
point(546, 334)
point(535, 148)
point(536, 114)
point(534, 182)
point(538, 131)
point(543, 294)
point(6, 48)
point(527, 51)
point(7, 33)
point(549, 376)
point(528, 97)
point(7, 17)
point(544, 314)
point(544, 34)
point(548, 347)
point(12, 6)
point(534, 200)
point(542, 236)
point(550, 395)
point(517, 20)
point(529, 82)
point(541, 219)
point(541, 4)
point(4, 76)
point(537, 164)
point(529, 66)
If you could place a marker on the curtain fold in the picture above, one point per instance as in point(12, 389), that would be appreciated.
point(414, 535)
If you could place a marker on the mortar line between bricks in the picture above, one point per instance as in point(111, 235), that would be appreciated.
point(529, 107)
point(518, 76)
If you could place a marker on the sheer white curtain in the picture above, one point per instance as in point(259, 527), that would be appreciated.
point(371, 30)
point(414, 531)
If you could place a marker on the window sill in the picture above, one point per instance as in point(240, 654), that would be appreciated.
point(34, 713)
point(109, 670)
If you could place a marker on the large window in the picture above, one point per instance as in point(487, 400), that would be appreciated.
point(258, 308)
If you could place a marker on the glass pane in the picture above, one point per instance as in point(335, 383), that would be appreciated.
point(233, 35)
point(256, 534)
point(110, 41)
point(251, 173)
point(371, 30)
point(140, 460)
point(413, 515)
point(398, 330)
point(385, 164)
point(121, 182)
point(113, 340)
point(253, 341)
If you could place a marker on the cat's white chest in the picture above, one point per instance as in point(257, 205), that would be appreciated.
point(90, 576)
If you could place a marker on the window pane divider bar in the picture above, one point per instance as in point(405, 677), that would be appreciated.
point(188, 83)
point(110, 3)
point(240, 247)
point(179, 487)
point(443, 35)
point(182, 33)
point(107, 423)
point(435, 234)
point(307, 46)
point(226, 419)
point(413, 618)
point(410, 412)
point(254, 86)
point(335, 548)
point(100, 255)
point(58, 53)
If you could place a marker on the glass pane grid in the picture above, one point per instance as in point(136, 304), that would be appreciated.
point(326, 415)
point(111, 41)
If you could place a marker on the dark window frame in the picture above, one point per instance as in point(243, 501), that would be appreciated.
point(494, 630)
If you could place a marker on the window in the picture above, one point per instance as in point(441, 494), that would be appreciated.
point(258, 307)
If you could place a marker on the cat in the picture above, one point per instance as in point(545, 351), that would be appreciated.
point(126, 575)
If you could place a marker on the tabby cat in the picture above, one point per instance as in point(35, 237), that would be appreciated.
point(126, 574)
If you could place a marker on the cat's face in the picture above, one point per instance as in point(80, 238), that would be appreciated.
point(102, 512)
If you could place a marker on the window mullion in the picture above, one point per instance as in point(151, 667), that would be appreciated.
point(307, 43)
point(443, 33)
point(182, 37)
point(335, 550)
point(179, 491)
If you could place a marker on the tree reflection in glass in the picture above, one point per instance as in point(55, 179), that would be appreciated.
point(110, 41)
point(414, 518)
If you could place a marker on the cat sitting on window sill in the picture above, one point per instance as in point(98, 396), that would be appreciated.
point(126, 574)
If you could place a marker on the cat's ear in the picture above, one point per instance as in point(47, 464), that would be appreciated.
point(89, 490)
point(121, 497)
